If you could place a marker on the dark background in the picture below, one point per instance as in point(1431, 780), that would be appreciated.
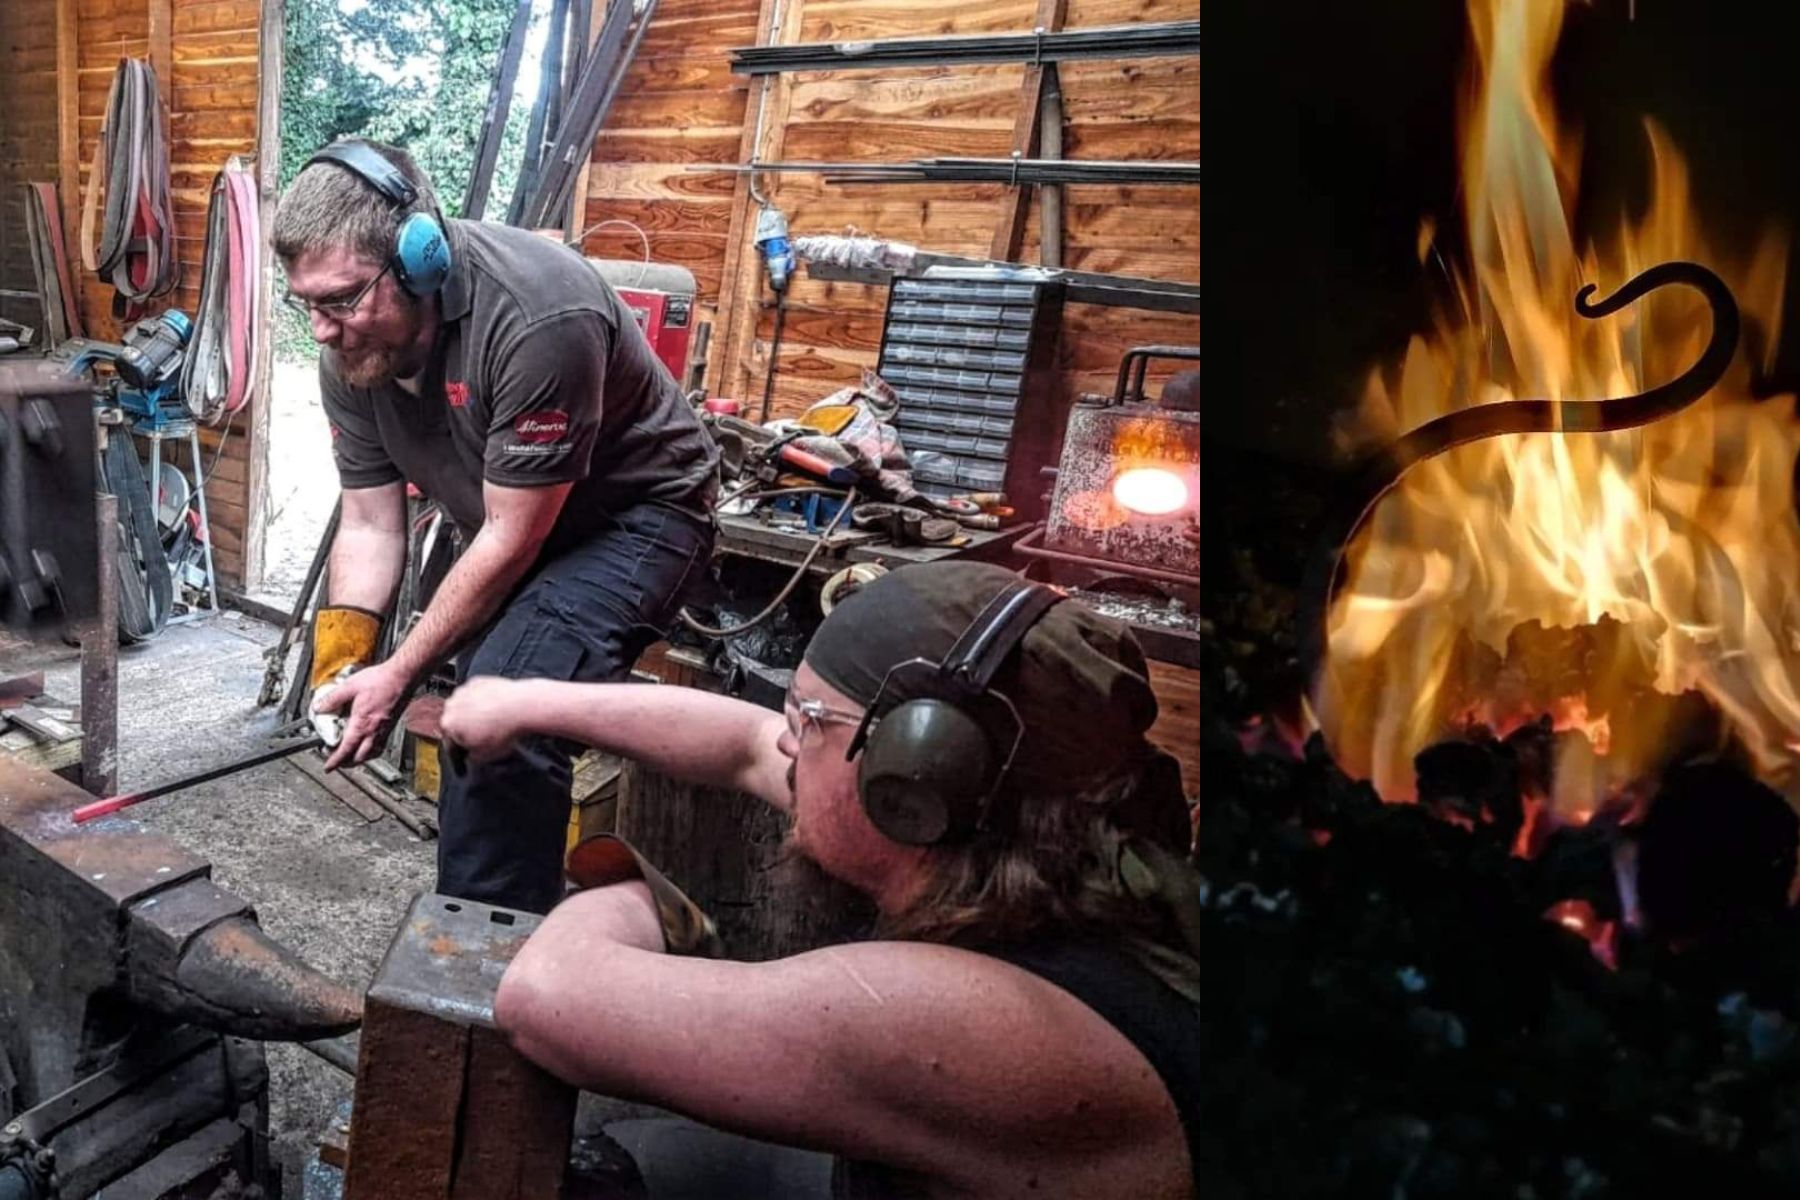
point(1330, 132)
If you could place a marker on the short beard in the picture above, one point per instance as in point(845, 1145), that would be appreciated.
point(374, 367)
point(827, 910)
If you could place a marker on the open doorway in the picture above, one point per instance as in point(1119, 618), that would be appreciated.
point(414, 73)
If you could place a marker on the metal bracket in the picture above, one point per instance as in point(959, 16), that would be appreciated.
point(96, 1091)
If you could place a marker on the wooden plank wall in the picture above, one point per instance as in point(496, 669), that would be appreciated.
point(206, 57)
point(682, 106)
point(27, 141)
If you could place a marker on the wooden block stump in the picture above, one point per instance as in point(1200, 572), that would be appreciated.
point(445, 1108)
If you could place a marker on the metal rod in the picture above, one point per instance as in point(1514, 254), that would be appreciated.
point(1013, 171)
point(493, 121)
point(1050, 147)
point(113, 804)
point(586, 113)
point(341, 1051)
point(206, 531)
point(1146, 40)
point(100, 663)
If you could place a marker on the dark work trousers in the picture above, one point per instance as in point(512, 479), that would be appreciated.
point(585, 614)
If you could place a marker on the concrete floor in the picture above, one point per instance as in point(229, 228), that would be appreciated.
point(325, 881)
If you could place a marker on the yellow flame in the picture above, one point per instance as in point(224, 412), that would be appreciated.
point(1661, 560)
point(1152, 491)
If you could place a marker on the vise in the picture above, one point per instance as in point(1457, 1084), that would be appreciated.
point(134, 995)
point(49, 554)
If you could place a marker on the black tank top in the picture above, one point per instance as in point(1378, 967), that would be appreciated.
point(1161, 1023)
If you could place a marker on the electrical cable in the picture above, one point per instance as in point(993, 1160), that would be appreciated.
point(643, 237)
point(787, 590)
point(768, 396)
point(218, 450)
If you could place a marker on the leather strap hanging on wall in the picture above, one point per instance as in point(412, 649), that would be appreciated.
point(50, 262)
point(136, 253)
point(221, 363)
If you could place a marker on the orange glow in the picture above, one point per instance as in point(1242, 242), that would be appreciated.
point(1151, 491)
point(1592, 578)
point(1578, 917)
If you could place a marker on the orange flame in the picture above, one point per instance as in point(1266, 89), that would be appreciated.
point(1664, 558)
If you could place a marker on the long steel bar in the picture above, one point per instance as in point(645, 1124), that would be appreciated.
point(586, 111)
point(985, 170)
point(112, 804)
point(100, 665)
point(1147, 40)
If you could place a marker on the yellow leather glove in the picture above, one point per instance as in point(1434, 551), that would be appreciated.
point(342, 637)
point(608, 859)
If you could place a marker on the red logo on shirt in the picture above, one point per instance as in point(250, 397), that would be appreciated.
point(457, 392)
point(541, 427)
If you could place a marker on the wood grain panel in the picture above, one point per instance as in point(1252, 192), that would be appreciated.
point(666, 216)
point(208, 16)
point(673, 146)
point(890, 141)
point(679, 110)
point(1177, 727)
point(689, 69)
point(978, 97)
point(658, 181)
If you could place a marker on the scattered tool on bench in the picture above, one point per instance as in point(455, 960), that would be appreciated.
point(282, 749)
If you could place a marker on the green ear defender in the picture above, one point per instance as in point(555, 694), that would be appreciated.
point(930, 768)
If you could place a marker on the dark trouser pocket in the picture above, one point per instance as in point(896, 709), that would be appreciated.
point(585, 616)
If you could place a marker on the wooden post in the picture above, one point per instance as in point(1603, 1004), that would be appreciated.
point(577, 219)
point(268, 182)
point(68, 137)
point(1009, 235)
point(732, 364)
point(162, 53)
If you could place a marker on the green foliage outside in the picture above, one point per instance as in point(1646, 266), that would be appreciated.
point(416, 73)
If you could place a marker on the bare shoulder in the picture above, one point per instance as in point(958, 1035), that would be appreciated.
point(972, 1075)
point(979, 1050)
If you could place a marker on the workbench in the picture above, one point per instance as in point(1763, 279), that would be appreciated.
point(750, 536)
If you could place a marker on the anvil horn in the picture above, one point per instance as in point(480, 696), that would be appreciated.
point(93, 914)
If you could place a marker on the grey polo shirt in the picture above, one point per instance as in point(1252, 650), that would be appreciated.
point(540, 376)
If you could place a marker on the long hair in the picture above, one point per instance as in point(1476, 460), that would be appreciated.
point(1053, 873)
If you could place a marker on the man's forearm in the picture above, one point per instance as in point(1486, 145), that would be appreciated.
point(681, 732)
point(470, 594)
point(366, 562)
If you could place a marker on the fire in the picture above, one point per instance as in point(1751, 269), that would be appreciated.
point(1665, 555)
point(1152, 491)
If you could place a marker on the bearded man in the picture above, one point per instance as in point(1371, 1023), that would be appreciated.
point(495, 371)
point(967, 750)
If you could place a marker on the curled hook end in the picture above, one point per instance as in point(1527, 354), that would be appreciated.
point(1582, 304)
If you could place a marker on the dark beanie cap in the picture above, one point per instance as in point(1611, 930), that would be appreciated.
point(1079, 680)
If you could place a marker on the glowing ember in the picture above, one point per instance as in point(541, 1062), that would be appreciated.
point(1152, 491)
point(1681, 532)
point(1578, 916)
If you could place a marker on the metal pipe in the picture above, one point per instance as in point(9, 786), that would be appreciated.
point(1050, 148)
point(1144, 40)
point(762, 104)
point(100, 664)
point(1013, 171)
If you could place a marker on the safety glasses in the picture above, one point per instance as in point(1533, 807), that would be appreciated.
point(337, 310)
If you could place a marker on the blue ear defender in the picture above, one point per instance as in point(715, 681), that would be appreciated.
point(421, 254)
